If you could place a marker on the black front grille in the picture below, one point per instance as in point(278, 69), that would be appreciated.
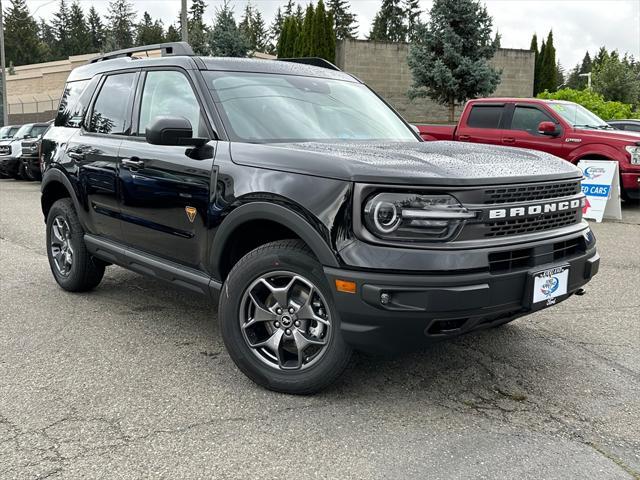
point(511, 260)
point(521, 226)
point(5, 150)
point(530, 193)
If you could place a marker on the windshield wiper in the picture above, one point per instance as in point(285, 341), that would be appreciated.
point(595, 127)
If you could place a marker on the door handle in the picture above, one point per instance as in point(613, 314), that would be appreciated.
point(464, 138)
point(509, 140)
point(132, 163)
point(76, 154)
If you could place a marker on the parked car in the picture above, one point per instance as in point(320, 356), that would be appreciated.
point(561, 128)
point(8, 131)
point(8, 164)
point(30, 149)
point(628, 125)
point(306, 205)
point(11, 150)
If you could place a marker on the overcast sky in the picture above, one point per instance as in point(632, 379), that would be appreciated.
point(578, 25)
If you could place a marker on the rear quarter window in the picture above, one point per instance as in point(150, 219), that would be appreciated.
point(485, 116)
point(74, 102)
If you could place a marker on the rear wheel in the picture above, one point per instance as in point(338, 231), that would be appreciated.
point(72, 266)
point(278, 320)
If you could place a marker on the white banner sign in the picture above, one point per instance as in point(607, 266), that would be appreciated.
point(601, 185)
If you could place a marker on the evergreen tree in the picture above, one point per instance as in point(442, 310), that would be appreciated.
point(198, 31)
point(260, 33)
point(345, 22)
point(288, 9)
point(79, 38)
point(540, 61)
point(586, 65)
point(389, 23)
point(22, 45)
point(287, 41)
point(60, 26)
point(225, 39)
point(319, 33)
point(536, 67)
point(149, 32)
point(616, 79)
point(96, 30)
point(548, 73)
point(331, 38)
point(275, 30)
point(246, 26)
point(47, 41)
point(304, 42)
point(560, 77)
point(412, 14)
point(449, 60)
point(120, 26)
point(299, 14)
point(600, 58)
point(172, 35)
point(497, 40)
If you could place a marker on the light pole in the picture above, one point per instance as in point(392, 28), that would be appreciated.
point(183, 21)
point(3, 75)
point(588, 75)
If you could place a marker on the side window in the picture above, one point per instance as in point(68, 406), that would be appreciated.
point(71, 110)
point(110, 110)
point(528, 119)
point(632, 128)
point(169, 93)
point(485, 116)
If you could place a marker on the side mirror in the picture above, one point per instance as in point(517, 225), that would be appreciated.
point(548, 128)
point(176, 131)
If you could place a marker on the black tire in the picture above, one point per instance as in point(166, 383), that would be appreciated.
point(27, 173)
point(295, 257)
point(85, 272)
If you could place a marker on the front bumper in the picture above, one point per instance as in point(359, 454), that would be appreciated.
point(420, 307)
point(9, 165)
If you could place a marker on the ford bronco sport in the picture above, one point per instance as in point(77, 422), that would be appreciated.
point(305, 204)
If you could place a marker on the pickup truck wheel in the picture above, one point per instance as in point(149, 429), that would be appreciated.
point(72, 266)
point(278, 320)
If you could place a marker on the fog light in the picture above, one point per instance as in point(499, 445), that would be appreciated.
point(385, 298)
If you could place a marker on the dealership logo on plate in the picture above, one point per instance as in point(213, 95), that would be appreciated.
point(594, 172)
point(550, 286)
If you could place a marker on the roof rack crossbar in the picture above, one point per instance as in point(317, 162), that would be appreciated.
point(167, 49)
point(313, 61)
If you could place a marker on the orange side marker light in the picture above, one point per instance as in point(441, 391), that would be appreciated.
point(345, 286)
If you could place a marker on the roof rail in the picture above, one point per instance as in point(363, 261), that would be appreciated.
point(168, 49)
point(313, 61)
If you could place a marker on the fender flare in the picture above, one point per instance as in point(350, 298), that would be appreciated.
point(275, 213)
point(53, 175)
point(595, 149)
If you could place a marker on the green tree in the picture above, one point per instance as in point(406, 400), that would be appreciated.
point(412, 14)
point(120, 26)
point(600, 57)
point(253, 28)
point(345, 21)
point(616, 80)
point(198, 31)
point(389, 23)
point(149, 32)
point(172, 35)
point(97, 35)
point(225, 39)
point(548, 73)
point(22, 45)
point(47, 41)
point(60, 26)
point(320, 34)
point(275, 30)
point(536, 64)
point(304, 41)
point(592, 101)
point(449, 60)
point(79, 38)
point(287, 40)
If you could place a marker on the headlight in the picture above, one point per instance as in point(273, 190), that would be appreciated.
point(634, 151)
point(414, 217)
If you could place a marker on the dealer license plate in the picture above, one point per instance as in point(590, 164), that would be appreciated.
point(550, 284)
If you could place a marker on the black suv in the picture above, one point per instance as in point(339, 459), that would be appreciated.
point(306, 205)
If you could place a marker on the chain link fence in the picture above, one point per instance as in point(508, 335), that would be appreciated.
point(32, 108)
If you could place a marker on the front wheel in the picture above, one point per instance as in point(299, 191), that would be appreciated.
point(278, 320)
point(72, 265)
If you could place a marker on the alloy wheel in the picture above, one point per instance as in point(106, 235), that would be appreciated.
point(60, 245)
point(285, 320)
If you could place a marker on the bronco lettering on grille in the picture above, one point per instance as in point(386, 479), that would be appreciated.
point(530, 210)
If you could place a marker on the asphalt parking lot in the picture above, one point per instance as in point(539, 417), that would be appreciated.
point(132, 381)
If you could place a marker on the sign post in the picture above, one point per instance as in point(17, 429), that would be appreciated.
point(601, 185)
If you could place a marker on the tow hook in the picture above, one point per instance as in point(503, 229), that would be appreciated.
point(580, 292)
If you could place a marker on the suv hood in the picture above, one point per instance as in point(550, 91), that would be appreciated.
point(609, 135)
point(434, 163)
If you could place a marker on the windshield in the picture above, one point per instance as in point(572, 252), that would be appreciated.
point(578, 116)
point(8, 132)
point(262, 108)
point(24, 130)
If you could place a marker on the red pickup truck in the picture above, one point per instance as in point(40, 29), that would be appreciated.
point(564, 129)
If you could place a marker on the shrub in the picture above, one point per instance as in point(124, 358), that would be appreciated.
point(592, 101)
